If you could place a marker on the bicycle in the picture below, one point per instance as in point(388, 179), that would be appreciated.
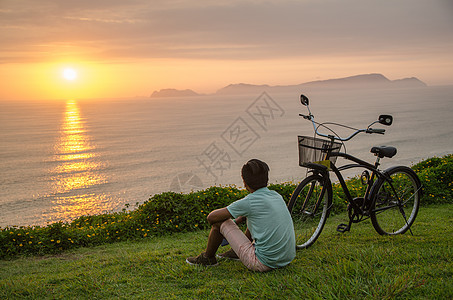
point(391, 199)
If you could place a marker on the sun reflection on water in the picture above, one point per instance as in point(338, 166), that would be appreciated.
point(78, 171)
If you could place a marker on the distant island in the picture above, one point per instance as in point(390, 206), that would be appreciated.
point(174, 93)
point(363, 81)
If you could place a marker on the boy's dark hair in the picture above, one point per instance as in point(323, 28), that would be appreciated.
point(255, 174)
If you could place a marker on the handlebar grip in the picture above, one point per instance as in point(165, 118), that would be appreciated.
point(379, 130)
point(305, 116)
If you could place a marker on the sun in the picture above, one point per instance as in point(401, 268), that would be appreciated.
point(69, 74)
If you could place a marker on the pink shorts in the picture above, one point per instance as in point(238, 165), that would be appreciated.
point(243, 247)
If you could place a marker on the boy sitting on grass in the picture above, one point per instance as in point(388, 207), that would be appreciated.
point(269, 241)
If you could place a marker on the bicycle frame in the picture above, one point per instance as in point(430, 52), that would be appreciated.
point(358, 164)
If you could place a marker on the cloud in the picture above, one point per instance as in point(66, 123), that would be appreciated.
point(111, 30)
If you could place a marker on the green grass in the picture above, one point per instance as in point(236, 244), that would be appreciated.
point(355, 265)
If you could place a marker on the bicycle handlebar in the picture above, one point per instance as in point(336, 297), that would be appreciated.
point(369, 130)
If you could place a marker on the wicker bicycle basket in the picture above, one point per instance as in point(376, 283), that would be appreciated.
point(313, 150)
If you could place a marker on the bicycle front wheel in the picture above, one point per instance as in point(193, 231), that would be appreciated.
point(309, 207)
point(395, 201)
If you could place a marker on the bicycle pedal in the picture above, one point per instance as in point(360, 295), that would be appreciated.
point(343, 228)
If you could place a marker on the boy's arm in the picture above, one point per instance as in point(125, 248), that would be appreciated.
point(219, 215)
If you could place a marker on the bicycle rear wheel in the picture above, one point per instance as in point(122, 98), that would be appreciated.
point(394, 208)
point(309, 207)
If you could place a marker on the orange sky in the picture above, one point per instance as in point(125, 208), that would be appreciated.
point(131, 48)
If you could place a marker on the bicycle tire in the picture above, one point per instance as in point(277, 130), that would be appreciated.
point(308, 219)
point(399, 215)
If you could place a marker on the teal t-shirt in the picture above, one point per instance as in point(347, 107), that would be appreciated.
point(270, 224)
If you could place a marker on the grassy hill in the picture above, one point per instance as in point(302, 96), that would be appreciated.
point(356, 265)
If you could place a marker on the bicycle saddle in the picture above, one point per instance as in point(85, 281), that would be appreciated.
point(384, 151)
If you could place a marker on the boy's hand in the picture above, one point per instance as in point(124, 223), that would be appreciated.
point(240, 220)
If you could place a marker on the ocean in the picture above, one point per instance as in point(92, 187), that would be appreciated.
point(63, 159)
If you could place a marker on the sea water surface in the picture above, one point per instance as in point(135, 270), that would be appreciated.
point(63, 159)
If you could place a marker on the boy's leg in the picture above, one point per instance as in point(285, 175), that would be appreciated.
point(242, 246)
point(215, 238)
point(207, 258)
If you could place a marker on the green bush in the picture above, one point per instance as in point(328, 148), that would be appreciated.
point(161, 214)
point(436, 175)
point(173, 212)
point(176, 212)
